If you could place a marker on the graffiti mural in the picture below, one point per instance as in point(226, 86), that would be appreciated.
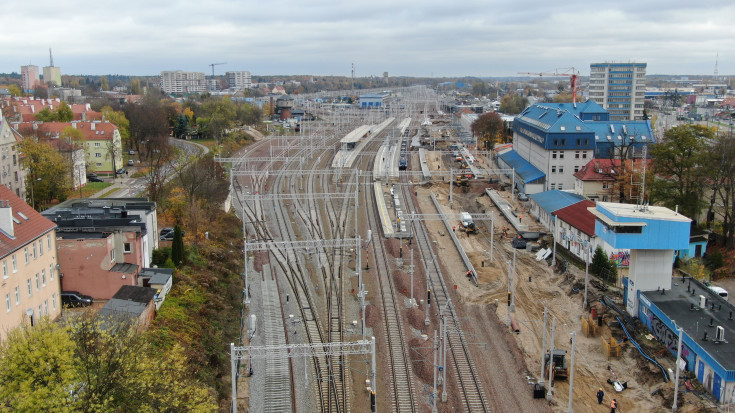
point(620, 258)
point(667, 337)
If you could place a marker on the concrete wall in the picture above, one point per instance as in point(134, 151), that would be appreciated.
point(649, 271)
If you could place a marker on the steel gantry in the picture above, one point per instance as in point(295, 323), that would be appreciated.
point(239, 353)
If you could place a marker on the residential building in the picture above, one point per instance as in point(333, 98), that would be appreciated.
point(179, 82)
point(25, 109)
point(30, 78)
point(30, 285)
point(239, 80)
point(620, 88)
point(104, 242)
point(12, 174)
point(598, 179)
point(160, 279)
point(102, 141)
point(131, 303)
point(52, 75)
point(552, 141)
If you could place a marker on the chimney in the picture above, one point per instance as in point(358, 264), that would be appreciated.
point(6, 218)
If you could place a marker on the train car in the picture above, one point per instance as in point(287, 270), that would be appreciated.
point(402, 163)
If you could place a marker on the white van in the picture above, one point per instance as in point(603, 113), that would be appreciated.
point(719, 291)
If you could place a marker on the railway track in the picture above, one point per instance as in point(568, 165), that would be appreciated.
point(473, 395)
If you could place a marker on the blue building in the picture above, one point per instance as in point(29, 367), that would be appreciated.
point(369, 101)
point(558, 139)
point(706, 320)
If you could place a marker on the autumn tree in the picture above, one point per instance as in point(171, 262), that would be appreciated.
point(489, 128)
point(720, 170)
point(15, 90)
point(64, 113)
point(117, 118)
point(48, 172)
point(135, 87)
point(218, 115)
point(147, 122)
point(513, 104)
point(678, 161)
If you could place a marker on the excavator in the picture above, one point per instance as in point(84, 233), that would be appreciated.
point(558, 364)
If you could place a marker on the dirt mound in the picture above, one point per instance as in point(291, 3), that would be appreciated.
point(422, 357)
point(372, 316)
point(392, 247)
point(260, 258)
point(416, 317)
point(402, 282)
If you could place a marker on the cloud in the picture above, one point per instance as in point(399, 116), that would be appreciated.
point(414, 38)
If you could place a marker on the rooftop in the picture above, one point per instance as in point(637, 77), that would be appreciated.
point(677, 303)
point(645, 212)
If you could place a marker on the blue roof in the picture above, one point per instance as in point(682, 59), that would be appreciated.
point(552, 119)
point(553, 200)
point(622, 132)
point(523, 168)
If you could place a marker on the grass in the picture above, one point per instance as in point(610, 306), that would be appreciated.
point(89, 190)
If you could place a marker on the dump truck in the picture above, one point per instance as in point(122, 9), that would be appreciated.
point(558, 364)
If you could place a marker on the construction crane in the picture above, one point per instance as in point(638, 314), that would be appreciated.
point(212, 65)
point(571, 72)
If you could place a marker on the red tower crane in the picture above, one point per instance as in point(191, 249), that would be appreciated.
point(571, 72)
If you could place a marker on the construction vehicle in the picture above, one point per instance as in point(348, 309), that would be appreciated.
point(558, 364)
point(462, 181)
point(471, 228)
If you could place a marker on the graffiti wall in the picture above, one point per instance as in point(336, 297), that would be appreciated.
point(621, 258)
point(668, 338)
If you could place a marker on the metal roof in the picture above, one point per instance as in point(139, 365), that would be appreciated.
point(523, 168)
point(554, 200)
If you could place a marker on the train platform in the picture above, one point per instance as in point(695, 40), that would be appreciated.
point(385, 219)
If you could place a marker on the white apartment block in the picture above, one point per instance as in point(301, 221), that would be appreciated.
point(619, 88)
point(29, 77)
point(52, 75)
point(239, 80)
point(180, 82)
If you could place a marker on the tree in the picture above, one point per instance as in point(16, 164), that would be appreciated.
point(64, 113)
point(117, 118)
point(513, 104)
point(720, 169)
point(48, 172)
point(602, 266)
point(177, 246)
point(135, 88)
point(490, 129)
point(104, 85)
point(15, 90)
point(677, 162)
point(45, 115)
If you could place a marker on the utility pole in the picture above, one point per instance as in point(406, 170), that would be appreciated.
point(543, 345)
point(586, 274)
point(551, 360)
point(571, 374)
point(675, 407)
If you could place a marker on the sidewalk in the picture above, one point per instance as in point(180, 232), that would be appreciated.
point(124, 188)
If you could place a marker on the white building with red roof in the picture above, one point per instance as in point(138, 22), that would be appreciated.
point(12, 174)
point(30, 287)
point(25, 109)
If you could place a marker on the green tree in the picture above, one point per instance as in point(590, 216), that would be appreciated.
point(117, 118)
point(489, 129)
point(45, 115)
point(15, 90)
point(603, 267)
point(64, 113)
point(135, 87)
point(177, 246)
point(678, 161)
point(104, 85)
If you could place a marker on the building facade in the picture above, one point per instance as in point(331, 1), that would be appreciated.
point(29, 77)
point(30, 285)
point(179, 82)
point(620, 88)
point(12, 174)
point(52, 75)
point(239, 80)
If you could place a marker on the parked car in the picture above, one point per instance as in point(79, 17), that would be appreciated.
point(131, 152)
point(121, 171)
point(91, 175)
point(167, 234)
point(131, 162)
point(75, 299)
point(522, 197)
point(95, 179)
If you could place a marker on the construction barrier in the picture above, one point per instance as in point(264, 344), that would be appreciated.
point(611, 348)
point(589, 326)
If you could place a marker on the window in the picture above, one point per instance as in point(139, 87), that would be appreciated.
point(7, 302)
point(53, 300)
point(97, 155)
point(553, 186)
point(561, 154)
point(579, 142)
point(29, 284)
point(51, 272)
point(5, 269)
point(553, 169)
point(17, 295)
point(553, 154)
point(99, 164)
point(48, 241)
point(561, 169)
point(38, 282)
point(127, 248)
point(15, 174)
point(97, 144)
point(576, 169)
point(28, 256)
point(605, 185)
point(556, 142)
point(112, 255)
point(43, 277)
point(15, 161)
point(576, 154)
point(563, 142)
point(40, 246)
point(584, 154)
point(45, 306)
point(35, 251)
point(560, 186)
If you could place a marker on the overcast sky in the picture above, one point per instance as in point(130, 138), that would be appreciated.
point(408, 37)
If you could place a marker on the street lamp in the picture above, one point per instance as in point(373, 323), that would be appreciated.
point(33, 197)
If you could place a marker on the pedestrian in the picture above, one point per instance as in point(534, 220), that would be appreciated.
point(613, 406)
point(600, 396)
point(520, 218)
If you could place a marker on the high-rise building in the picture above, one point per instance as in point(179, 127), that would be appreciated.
point(52, 75)
point(180, 82)
point(239, 80)
point(619, 88)
point(29, 77)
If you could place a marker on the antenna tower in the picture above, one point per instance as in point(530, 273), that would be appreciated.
point(51, 57)
point(717, 63)
point(353, 78)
